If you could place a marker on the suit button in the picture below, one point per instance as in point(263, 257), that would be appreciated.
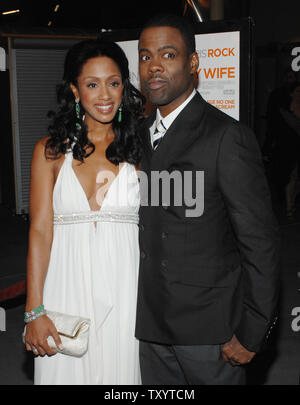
point(164, 235)
point(164, 263)
point(143, 255)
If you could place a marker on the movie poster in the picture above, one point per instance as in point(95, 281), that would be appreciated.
point(219, 70)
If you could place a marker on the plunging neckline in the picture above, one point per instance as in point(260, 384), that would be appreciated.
point(105, 197)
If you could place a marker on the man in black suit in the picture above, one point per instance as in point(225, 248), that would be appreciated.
point(208, 278)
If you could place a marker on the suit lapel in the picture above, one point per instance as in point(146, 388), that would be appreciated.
point(181, 134)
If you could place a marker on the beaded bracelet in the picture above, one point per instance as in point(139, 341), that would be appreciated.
point(34, 312)
point(32, 318)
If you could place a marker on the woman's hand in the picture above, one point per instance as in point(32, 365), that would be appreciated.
point(36, 336)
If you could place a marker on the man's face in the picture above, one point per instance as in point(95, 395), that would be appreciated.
point(166, 71)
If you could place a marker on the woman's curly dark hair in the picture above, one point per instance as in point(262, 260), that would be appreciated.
point(63, 131)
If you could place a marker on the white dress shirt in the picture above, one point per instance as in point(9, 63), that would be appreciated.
point(167, 120)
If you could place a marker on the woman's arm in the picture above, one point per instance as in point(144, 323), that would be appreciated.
point(41, 228)
point(40, 241)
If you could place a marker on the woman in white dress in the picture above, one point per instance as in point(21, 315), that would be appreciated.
point(83, 242)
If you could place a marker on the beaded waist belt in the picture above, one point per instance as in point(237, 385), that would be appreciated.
point(98, 216)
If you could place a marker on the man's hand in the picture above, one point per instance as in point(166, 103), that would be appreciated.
point(236, 354)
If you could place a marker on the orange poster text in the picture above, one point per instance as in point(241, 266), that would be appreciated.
point(218, 73)
point(216, 53)
point(223, 104)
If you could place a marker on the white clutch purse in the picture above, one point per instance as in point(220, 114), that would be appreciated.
point(73, 332)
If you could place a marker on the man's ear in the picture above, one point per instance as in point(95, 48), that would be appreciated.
point(194, 60)
point(75, 91)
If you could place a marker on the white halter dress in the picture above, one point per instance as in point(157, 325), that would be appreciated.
point(93, 272)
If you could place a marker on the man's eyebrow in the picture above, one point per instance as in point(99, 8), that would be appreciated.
point(160, 49)
point(167, 47)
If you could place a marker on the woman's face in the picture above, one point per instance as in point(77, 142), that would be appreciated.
point(100, 89)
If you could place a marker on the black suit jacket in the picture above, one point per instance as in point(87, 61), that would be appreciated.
point(203, 279)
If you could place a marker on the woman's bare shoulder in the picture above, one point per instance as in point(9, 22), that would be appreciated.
point(39, 148)
point(40, 157)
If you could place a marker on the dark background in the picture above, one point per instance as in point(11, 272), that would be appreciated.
point(276, 20)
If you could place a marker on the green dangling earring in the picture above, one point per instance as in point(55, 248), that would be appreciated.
point(120, 114)
point(77, 109)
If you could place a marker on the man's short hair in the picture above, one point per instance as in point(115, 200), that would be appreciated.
point(178, 22)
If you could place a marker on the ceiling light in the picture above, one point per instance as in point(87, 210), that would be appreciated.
point(10, 12)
